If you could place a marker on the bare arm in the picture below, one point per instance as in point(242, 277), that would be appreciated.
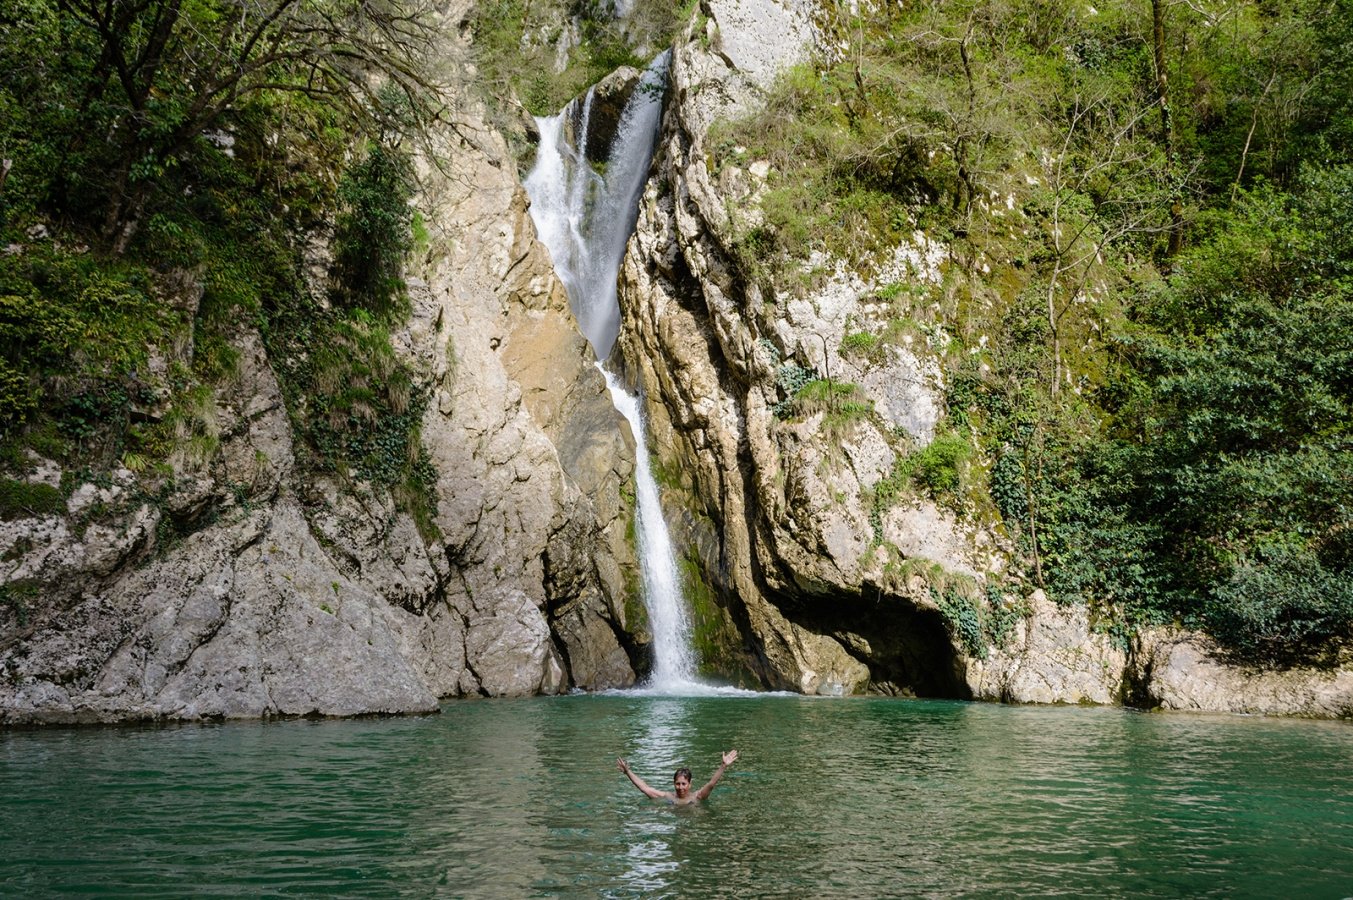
point(728, 759)
point(641, 784)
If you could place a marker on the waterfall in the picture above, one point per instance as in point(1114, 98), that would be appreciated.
point(673, 660)
point(585, 218)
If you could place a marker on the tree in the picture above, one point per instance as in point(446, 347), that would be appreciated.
point(149, 77)
point(1103, 182)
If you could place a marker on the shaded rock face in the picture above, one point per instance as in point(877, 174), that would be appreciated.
point(797, 565)
point(253, 588)
point(826, 592)
point(1172, 669)
point(609, 97)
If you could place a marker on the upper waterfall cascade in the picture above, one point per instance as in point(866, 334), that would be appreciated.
point(585, 217)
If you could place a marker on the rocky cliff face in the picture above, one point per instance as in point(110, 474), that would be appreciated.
point(822, 582)
point(809, 569)
point(253, 588)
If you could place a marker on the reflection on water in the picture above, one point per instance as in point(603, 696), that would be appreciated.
point(835, 798)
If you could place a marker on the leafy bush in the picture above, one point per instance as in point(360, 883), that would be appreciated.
point(18, 395)
point(1281, 606)
point(961, 614)
point(374, 232)
point(1218, 493)
point(938, 467)
point(75, 335)
point(791, 378)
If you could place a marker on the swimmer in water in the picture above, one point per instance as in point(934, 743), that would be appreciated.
point(681, 782)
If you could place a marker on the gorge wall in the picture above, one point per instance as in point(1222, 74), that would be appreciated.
point(255, 587)
point(833, 584)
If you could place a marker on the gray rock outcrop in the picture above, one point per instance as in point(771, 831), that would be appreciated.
point(799, 564)
point(246, 586)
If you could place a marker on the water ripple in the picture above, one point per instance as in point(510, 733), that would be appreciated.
point(843, 798)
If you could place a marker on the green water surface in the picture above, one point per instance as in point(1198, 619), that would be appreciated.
point(831, 798)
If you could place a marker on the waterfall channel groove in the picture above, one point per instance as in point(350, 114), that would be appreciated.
point(585, 218)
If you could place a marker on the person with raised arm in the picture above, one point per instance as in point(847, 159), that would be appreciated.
point(681, 782)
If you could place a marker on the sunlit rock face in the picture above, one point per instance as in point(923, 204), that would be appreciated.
point(825, 591)
point(254, 588)
point(782, 507)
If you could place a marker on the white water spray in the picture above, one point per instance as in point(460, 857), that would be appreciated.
point(673, 660)
point(585, 219)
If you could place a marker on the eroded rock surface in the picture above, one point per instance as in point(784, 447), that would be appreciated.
point(830, 590)
point(249, 587)
point(800, 565)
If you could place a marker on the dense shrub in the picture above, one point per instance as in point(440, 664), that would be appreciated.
point(1281, 606)
point(373, 233)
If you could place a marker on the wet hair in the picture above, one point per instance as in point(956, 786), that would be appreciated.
point(682, 771)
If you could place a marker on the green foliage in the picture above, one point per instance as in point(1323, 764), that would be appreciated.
point(791, 378)
point(860, 343)
point(16, 597)
point(1215, 490)
point(1155, 309)
point(828, 189)
point(75, 336)
point(517, 43)
point(158, 149)
point(18, 396)
point(373, 232)
point(980, 620)
point(963, 619)
point(110, 118)
point(165, 142)
point(839, 398)
point(936, 470)
point(355, 404)
point(1283, 603)
point(937, 467)
point(19, 499)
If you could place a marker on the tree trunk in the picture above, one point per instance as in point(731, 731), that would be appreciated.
point(1052, 327)
point(1176, 231)
point(125, 205)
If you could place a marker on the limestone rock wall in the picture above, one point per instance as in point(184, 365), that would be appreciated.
point(255, 589)
point(796, 562)
point(829, 592)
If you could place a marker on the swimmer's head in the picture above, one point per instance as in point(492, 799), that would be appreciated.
point(682, 782)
